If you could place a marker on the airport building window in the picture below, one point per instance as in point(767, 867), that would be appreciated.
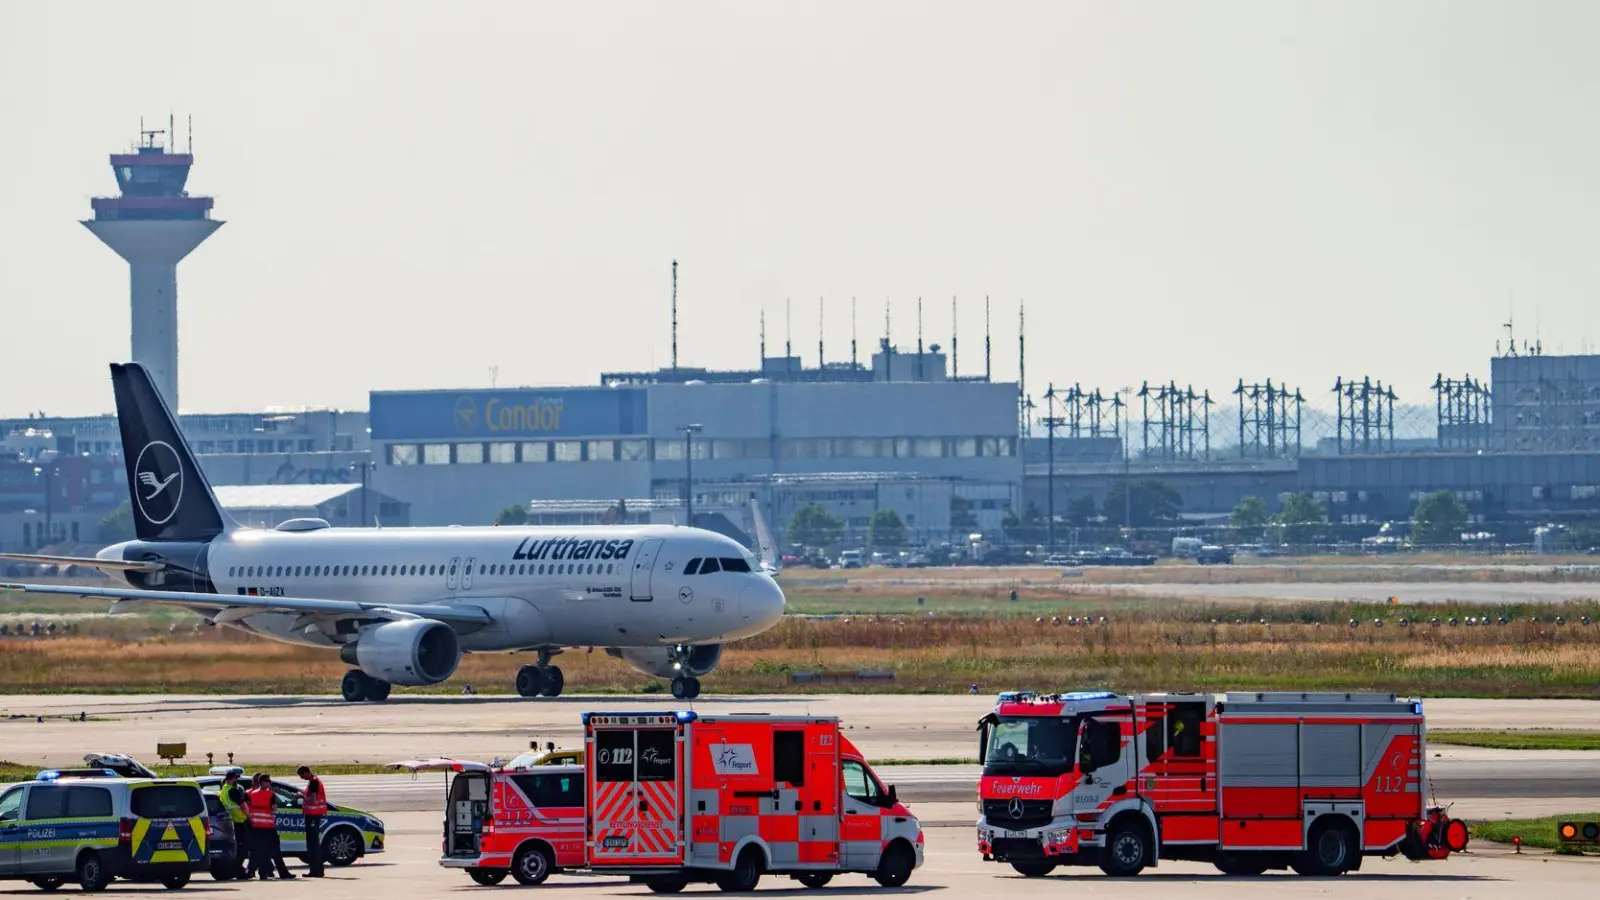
point(402, 454)
point(966, 447)
point(902, 447)
point(567, 451)
point(535, 451)
point(247, 446)
point(727, 449)
point(436, 454)
point(633, 450)
point(669, 450)
point(988, 446)
point(504, 452)
point(598, 451)
point(469, 454)
point(224, 446)
point(928, 447)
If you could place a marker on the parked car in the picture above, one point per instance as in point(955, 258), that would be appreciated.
point(1212, 554)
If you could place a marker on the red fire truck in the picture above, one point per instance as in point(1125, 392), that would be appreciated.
point(1246, 781)
point(676, 797)
point(523, 822)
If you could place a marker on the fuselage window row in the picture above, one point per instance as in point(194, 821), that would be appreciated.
point(425, 571)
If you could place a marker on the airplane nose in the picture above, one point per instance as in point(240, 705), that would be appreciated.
point(762, 603)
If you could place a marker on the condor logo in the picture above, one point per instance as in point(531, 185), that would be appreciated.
point(572, 548)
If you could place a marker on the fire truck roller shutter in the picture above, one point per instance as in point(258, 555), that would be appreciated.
point(1259, 773)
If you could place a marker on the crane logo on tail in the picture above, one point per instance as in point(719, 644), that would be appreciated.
point(159, 487)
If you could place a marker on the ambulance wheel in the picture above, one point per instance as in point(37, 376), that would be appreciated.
point(175, 882)
point(1127, 849)
point(1330, 850)
point(355, 686)
point(530, 681)
point(92, 873)
point(554, 681)
point(894, 869)
point(488, 877)
point(1034, 868)
point(48, 884)
point(685, 688)
point(666, 884)
point(746, 872)
point(532, 865)
point(814, 880)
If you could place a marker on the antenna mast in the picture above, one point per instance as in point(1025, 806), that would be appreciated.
point(955, 360)
point(852, 332)
point(821, 306)
point(788, 332)
point(988, 373)
point(674, 315)
point(763, 339)
point(1022, 363)
point(919, 339)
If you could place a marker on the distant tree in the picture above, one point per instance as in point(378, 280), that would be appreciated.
point(813, 526)
point(886, 530)
point(1300, 517)
point(962, 518)
point(1011, 524)
point(1150, 503)
point(512, 515)
point(1440, 518)
point(117, 526)
point(1250, 514)
point(1081, 510)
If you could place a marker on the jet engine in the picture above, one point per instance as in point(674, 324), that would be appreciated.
point(670, 662)
point(410, 652)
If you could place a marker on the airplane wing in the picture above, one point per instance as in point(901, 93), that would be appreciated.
point(237, 606)
point(105, 565)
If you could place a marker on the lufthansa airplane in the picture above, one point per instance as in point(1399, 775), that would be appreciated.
point(402, 605)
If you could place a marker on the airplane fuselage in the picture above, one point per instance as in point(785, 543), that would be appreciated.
point(596, 586)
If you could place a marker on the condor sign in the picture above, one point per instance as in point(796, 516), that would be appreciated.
point(567, 412)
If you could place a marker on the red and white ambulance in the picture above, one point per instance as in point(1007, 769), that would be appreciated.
point(677, 797)
point(1246, 781)
point(525, 822)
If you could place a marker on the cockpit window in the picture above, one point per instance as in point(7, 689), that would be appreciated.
point(708, 566)
point(734, 565)
point(693, 567)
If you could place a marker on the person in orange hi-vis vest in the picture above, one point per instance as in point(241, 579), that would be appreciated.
point(267, 852)
point(315, 807)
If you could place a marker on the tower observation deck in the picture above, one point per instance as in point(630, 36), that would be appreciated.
point(153, 224)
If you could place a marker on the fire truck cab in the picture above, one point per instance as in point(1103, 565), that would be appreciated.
point(677, 797)
point(1246, 781)
point(523, 822)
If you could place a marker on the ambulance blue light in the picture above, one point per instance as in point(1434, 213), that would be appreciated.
point(685, 715)
point(47, 775)
point(1416, 707)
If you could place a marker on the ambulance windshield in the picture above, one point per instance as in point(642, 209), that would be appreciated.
point(1030, 745)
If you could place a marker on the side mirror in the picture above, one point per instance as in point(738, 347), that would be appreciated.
point(893, 797)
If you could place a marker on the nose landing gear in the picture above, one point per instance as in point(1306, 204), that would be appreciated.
point(685, 687)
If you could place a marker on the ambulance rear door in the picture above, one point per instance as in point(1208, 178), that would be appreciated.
point(467, 799)
point(635, 788)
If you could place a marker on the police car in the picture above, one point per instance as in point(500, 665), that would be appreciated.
point(92, 826)
point(347, 834)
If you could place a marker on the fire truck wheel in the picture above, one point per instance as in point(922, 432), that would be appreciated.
point(666, 884)
point(1127, 849)
point(488, 877)
point(530, 681)
point(554, 681)
point(532, 865)
point(1330, 850)
point(894, 869)
point(1034, 868)
point(746, 872)
point(814, 880)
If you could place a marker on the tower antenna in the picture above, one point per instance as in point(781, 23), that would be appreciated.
point(763, 338)
point(888, 347)
point(955, 359)
point(821, 305)
point(788, 332)
point(1022, 361)
point(988, 373)
point(189, 144)
point(920, 373)
point(674, 315)
point(852, 332)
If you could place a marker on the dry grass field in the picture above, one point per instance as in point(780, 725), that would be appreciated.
point(961, 636)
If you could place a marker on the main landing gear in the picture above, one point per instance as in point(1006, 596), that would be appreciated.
point(358, 686)
point(540, 681)
point(685, 688)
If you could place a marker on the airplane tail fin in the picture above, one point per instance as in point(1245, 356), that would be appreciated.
point(767, 549)
point(170, 497)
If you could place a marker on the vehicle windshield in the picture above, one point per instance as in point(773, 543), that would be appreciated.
point(1030, 745)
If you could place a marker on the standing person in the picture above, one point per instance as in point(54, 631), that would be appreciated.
point(237, 803)
point(315, 807)
point(268, 851)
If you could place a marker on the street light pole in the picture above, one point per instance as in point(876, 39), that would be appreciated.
point(689, 431)
point(1051, 420)
point(365, 466)
point(1127, 470)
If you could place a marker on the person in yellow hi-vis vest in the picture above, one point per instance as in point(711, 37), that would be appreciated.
point(237, 803)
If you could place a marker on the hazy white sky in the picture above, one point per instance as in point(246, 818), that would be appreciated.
point(417, 191)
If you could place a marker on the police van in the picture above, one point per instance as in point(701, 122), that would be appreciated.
point(91, 826)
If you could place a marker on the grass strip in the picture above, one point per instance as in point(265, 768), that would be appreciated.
point(1519, 740)
point(1539, 833)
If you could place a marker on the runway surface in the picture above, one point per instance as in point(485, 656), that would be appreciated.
point(884, 727)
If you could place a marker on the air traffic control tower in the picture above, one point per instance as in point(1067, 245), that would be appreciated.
point(153, 225)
